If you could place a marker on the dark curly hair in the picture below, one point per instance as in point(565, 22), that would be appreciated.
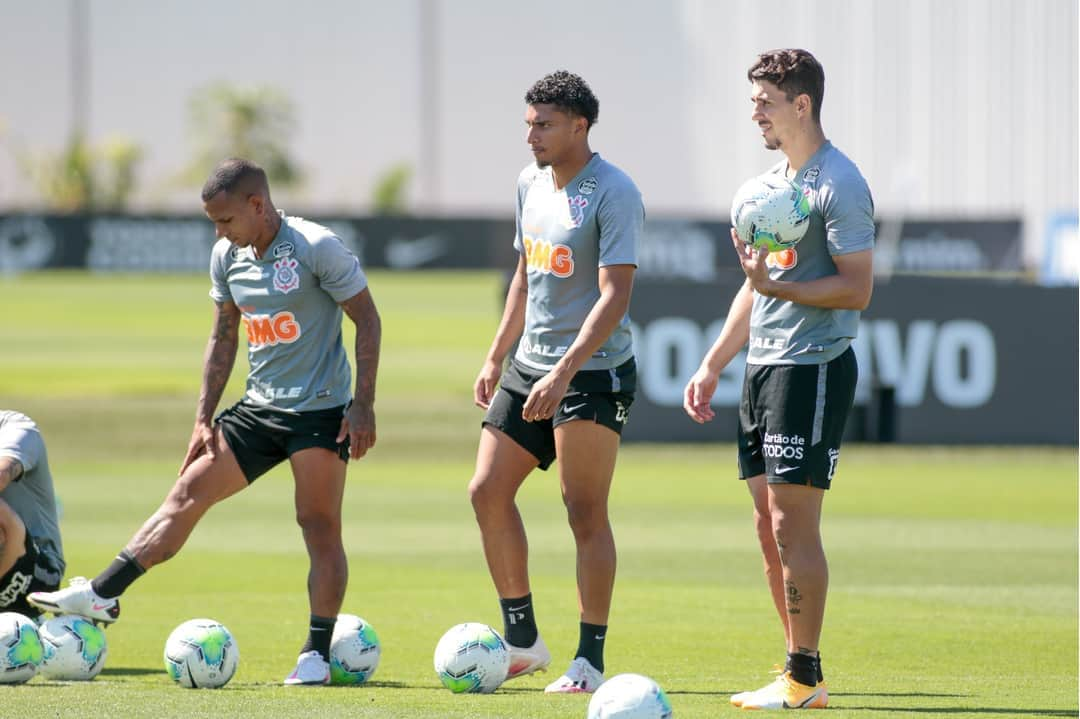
point(566, 91)
point(235, 175)
point(794, 71)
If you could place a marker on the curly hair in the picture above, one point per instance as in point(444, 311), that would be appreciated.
point(566, 91)
point(794, 71)
point(234, 175)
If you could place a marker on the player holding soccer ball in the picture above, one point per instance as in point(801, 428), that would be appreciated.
point(288, 281)
point(569, 386)
point(31, 554)
point(799, 311)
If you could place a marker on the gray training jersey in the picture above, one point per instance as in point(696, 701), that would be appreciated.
point(841, 222)
point(31, 496)
point(289, 300)
point(566, 235)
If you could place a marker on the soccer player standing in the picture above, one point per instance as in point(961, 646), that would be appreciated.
point(568, 388)
point(31, 553)
point(799, 310)
point(287, 280)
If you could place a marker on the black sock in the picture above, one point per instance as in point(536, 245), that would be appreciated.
point(519, 624)
point(319, 635)
point(820, 676)
point(591, 644)
point(803, 668)
point(118, 576)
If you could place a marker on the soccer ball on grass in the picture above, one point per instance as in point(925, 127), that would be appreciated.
point(354, 650)
point(20, 648)
point(201, 653)
point(770, 212)
point(629, 696)
point(472, 658)
point(75, 648)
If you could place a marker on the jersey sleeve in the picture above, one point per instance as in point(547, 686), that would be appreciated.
point(621, 217)
point(22, 441)
point(219, 271)
point(848, 211)
point(337, 269)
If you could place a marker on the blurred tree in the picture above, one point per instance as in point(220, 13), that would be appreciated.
point(82, 177)
point(250, 122)
point(388, 196)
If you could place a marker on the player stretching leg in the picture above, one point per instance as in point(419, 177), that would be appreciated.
point(288, 280)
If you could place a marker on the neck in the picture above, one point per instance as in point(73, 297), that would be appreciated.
point(803, 148)
point(566, 170)
point(270, 230)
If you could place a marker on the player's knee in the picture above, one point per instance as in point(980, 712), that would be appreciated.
point(586, 516)
point(485, 495)
point(319, 524)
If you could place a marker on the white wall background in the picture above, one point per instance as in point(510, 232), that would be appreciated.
point(951, 108)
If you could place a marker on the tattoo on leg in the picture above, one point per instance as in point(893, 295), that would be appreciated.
point(793, 597)
point(808, 652)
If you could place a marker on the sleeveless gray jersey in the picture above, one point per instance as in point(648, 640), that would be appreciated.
point(566, 235)
point(841, 222)
point(32, 495)
point(289, 300)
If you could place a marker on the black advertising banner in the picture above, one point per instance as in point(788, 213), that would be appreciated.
point(693, 250)
point(962, 361)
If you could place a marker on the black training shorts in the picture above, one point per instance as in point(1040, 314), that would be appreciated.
point(791, 420)
point(34, 571)
point(261, 437)
point(602, 396)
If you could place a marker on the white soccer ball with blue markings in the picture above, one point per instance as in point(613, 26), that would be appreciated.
point(354, 650)
point(770, 212)
point(74, 647)
point(201, 654)
point(472, 658)
point(20, 648)
point(629, 696)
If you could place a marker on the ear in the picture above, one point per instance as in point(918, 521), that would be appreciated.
point(255, 201)
point(803, 105)
point(581, 124)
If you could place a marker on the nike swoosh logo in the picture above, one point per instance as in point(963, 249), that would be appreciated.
point(785, 470)
point(567, 409)
point(517, 609)
point(599, 636)
point(99, 607)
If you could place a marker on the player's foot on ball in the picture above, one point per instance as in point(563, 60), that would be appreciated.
point(786, 693)
point(526, 660)
point(78, 598)
point(311, 670)
point(581, 678)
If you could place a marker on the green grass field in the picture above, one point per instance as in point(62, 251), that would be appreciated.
point(953, 570)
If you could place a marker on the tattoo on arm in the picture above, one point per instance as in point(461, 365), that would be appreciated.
point(219, 359)
point(361, 310)
point(10, 470)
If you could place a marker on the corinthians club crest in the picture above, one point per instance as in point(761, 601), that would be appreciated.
point(286, 278)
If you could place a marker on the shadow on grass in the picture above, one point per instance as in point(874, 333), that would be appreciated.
point(129, 671)
point(1003, 711)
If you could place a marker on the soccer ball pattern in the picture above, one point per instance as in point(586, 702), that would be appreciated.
point(354, 650)
point(472, 658)
point(20, 648)
point(201, 653)
point(629, 696)
point(74, 648)
point(770, 212)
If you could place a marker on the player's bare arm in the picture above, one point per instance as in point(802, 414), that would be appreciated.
point(849, 289)
point(12, 537)
point(733, 337)
point(10, 470)
point(359, 422)
point(217, 366)
point(510, 328)
point(616, 284)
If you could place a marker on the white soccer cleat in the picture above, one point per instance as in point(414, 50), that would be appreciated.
point(78, 598)
point(526, 660)
point(581, 678)
point(311, 670)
